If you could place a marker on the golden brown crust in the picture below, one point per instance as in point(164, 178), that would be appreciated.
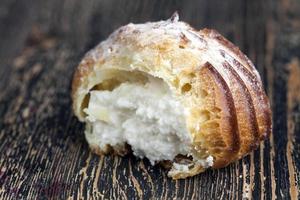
point(247, 69)
point(248, 128)
point(220, 131)
point(211, 33)
point(121, 151)
point(230, 112)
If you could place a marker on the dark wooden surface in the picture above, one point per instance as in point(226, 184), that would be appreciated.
point(43, 154)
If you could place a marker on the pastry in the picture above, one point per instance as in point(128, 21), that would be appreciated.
point(187, 99)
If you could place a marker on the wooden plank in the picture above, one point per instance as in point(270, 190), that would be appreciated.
point(43, 151)
point(286, 51)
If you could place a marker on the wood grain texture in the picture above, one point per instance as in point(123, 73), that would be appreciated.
point(43, 151)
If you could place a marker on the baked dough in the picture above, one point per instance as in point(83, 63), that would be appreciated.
point(184, 98)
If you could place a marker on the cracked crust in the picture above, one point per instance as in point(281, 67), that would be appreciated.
point(229, 110)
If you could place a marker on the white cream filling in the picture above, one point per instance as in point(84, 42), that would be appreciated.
point(145, 116)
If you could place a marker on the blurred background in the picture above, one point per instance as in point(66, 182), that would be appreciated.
point(43, 150)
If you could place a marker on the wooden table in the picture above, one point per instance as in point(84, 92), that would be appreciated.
point(43, 151)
